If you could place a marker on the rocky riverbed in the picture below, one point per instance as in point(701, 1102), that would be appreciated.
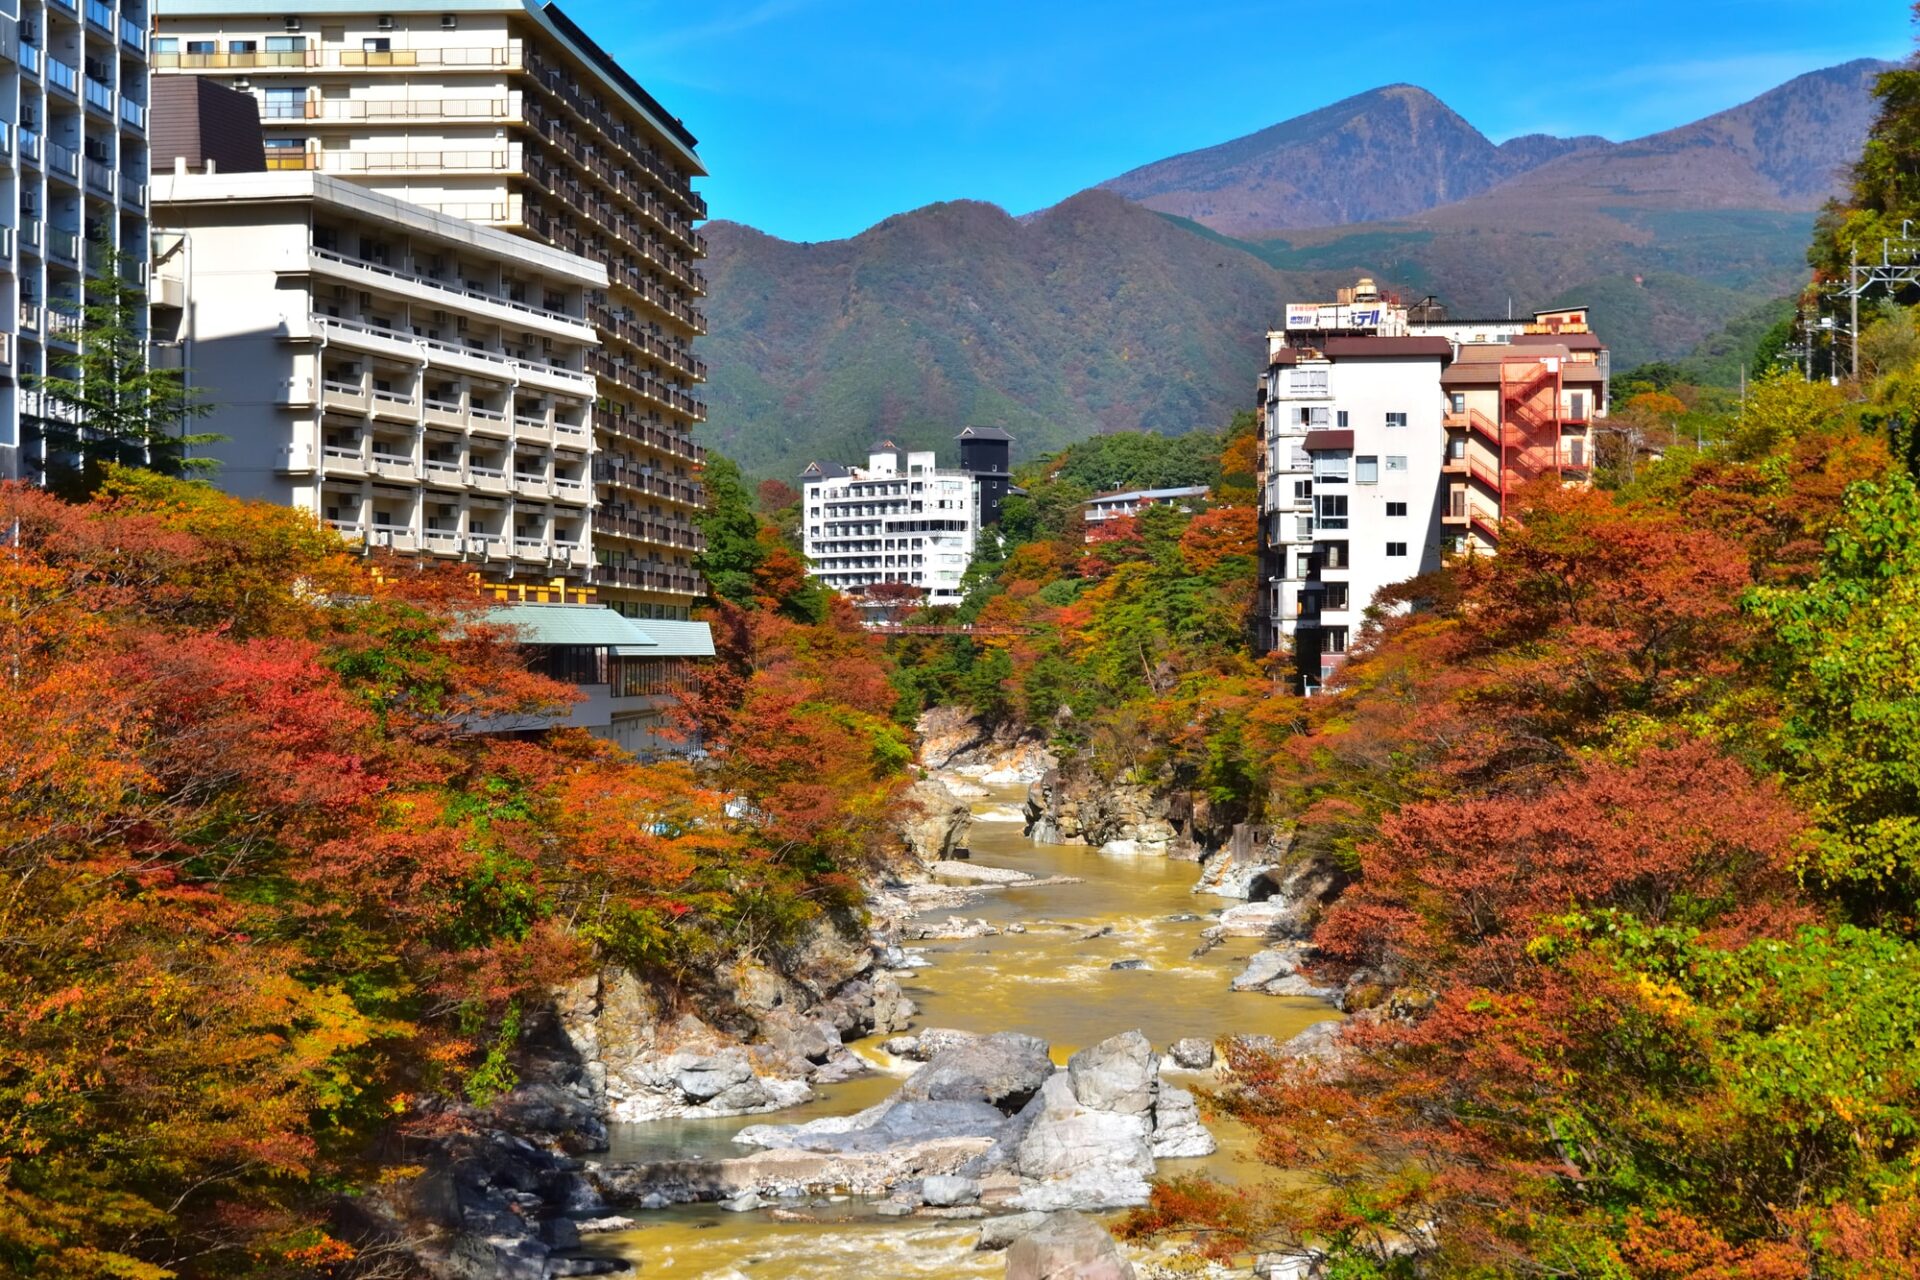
point(800, 1119)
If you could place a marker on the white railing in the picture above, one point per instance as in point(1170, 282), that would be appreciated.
point(414, 277)
point(451, 348)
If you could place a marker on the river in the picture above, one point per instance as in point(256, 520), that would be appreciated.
point(1049, 981)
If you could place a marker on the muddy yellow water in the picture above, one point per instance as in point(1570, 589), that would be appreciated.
point(1051, 981)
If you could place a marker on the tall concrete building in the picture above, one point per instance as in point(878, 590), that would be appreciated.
point(73, 186)
point(899, 519)
point(1392, 437)
point(507, 114)
point(415, 380)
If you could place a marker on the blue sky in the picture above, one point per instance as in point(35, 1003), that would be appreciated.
point(818, 118)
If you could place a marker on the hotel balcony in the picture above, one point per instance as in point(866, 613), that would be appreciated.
point(495, 362)
point(507, 58)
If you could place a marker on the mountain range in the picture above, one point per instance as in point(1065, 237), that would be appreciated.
point(1143, 303)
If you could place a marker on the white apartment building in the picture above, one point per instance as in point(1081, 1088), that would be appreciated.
point(1351, 490)
point(899, 519)
point(1388, 442)
point(505, 113)
point(418, 381)
point(73, 183)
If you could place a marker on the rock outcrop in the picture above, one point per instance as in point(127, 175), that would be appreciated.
point(954, 740)
point(759, 1041)
point(1067, 1246)
point(931, 821)
point(1071, 805)
point(988, 1119)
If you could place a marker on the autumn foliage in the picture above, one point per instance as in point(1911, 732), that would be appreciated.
point(1630, 933)
point(267, 885)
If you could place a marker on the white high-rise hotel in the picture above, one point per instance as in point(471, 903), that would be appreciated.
point(1391, 437)
point(73, 184)
point(505, 113)
point(899, 519)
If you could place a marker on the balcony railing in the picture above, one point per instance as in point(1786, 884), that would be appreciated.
point(270, 59)
point(63, 161)
point(99, 95)
point(100, 15)
point(391, 109)
point(451, 348)
point(415, 277)
point(30, 145)
point(63, 244)
point(99, 176)
point(62, 76)
point(133, 114)
point(133, 35)
point(289, 158)
point(409, 161)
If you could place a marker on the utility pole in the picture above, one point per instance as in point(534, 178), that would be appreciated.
point(1853, 305)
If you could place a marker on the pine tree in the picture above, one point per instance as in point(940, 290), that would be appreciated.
point(108, 405)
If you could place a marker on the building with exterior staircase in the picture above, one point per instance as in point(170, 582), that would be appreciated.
point(1391, 437)
point(506, 114)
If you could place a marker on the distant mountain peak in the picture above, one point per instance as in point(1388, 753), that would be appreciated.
point(1384, 153)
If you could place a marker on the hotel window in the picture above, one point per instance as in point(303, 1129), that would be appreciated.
point(1366, 470)
point(1303, 489)
point(243, 46)
point(1332, 511)
point(1396, 419)
point(1396, 508)
point(1335, 596)
point(166, 44)
point(286, 104)
point(201, 46)
point(1396, 462)
point(1308, 382)
point(1330, 466)
point(286, 44)
point(1457, 402)
point(1342, 416)
point(1333, 640)
point(1396, 548)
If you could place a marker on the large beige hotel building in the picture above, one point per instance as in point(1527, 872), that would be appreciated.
point(507, 115)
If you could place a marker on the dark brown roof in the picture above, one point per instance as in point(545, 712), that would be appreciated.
point(196, 119)
point(1286, 355)
point(1329, 440)
point(1351, 348)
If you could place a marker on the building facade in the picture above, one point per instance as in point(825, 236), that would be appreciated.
point(73, 192)
point(899, 519)
point(1391, 437)
point(630, 675)
point(1107, 507)
point(505, 113)
point(419, 382)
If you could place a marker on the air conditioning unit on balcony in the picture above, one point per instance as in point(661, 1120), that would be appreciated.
point(449, 21)
point(441, 317)
point(293, 23)
point(29, 32)
point(384, 22)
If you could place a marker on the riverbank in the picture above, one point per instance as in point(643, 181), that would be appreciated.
point(1093, 945)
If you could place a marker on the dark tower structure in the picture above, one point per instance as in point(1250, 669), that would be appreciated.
point(986, 452)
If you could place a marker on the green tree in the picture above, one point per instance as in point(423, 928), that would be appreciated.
point(1849, 656)
point(734, 549)
point(109, 406)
